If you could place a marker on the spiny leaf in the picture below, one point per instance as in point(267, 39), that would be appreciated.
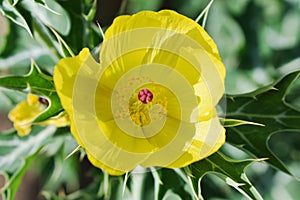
point(38, 83)
point(11, 187)
point(266, 106)
point(231, 171)
point(11, 12)
point(35, 81)
point(50, 14)
point(14, 148)
point(17, 154)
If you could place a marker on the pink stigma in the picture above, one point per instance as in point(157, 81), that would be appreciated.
point(145, 96)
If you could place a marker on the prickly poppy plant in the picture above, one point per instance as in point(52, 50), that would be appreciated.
point(137, 108)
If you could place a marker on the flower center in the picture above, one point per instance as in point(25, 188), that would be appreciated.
point(145, 96)
point(150, 105)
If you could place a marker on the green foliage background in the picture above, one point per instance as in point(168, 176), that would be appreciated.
point(259, 41)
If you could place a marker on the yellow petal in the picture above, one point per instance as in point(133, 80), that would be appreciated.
point(166, 54)
point(24, 114)
point(166, 19)
point(209, 137)
point(65, 74)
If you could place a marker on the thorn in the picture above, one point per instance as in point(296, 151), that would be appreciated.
point(73, 152)
point(274, 88)
point(261, 159)
point(62, 42)
point(125, 183)
point(156, 175)
point(101, 31)
point(254, 97)
point(204, 14)
point(188, 172)
point(33, 68)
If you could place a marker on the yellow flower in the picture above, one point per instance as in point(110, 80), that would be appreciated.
point(24, 114)
point(151, 100)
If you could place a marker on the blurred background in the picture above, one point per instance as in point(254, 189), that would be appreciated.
point(259, 41)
